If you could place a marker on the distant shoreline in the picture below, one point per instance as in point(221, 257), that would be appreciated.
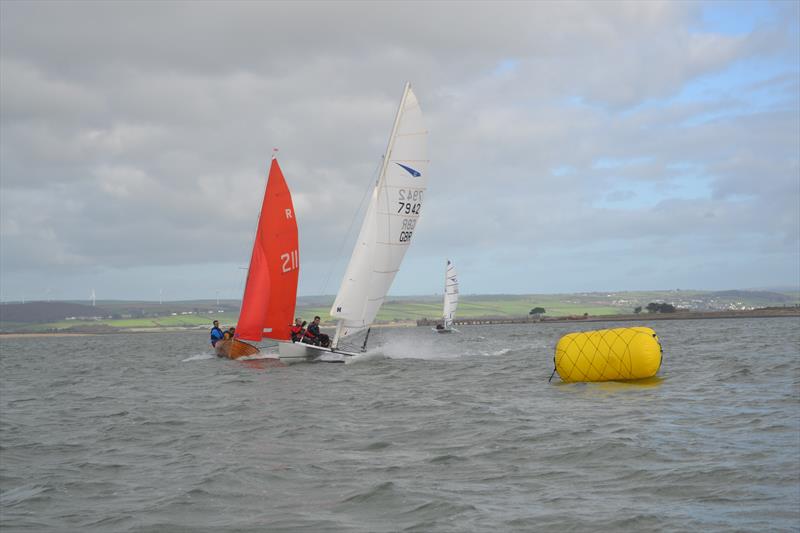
point(696, 315)
point(47, 334)
point(779, 312)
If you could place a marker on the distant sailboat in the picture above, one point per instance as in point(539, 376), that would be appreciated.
point(271, 290)
point(385, 235)
point(450, 299)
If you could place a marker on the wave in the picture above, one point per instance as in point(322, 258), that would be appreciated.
point(21, 494)
point(370, 356)
point(427, 349)
point(199, 357)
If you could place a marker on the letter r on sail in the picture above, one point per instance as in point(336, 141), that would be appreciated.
point(288, 214)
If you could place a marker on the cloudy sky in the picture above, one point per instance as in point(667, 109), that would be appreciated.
point(574, 146)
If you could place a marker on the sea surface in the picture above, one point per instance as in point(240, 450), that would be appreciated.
point(426, 432)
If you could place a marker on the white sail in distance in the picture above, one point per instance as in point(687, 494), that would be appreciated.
point(450, 295)
point(389, 224)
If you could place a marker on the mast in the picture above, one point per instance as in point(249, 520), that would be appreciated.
point(393, 134)
point(335, 342)
point(386, 157)
point(444, 298)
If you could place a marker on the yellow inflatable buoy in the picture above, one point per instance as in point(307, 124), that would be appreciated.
point(608, 355)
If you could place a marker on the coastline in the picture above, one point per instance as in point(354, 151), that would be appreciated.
point(705, 315)
point(777, 312)
point(46, 334)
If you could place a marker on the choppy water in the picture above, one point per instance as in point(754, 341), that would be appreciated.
point(458, 433)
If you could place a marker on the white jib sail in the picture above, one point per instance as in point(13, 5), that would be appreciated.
point(389, 222)
point(450, 295)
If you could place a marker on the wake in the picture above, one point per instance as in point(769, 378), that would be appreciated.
point(371, 355)
point(199, 357)
point(258, 357)
point(433, 349)
point(425, 349)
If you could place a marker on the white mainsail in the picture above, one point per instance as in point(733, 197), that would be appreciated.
point(450, 295)
point(389, 222)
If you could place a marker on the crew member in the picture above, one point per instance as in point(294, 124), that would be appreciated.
point(216, 333)
point(297, 330)
point(313, 336)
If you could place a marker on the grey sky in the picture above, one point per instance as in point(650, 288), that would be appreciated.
point(574, 146)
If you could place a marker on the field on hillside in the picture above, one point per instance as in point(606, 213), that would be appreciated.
point(395, 310)
point(181, 321)
point(398, 310)
point(200, 313)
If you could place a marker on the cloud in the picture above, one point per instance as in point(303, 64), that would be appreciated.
point(137, 136)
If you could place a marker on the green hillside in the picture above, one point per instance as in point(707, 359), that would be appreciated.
point(128, 315)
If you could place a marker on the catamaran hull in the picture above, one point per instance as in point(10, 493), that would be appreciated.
point(298, 352)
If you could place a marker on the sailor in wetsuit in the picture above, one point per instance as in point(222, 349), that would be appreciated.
point(313, 336)
point(216, 333)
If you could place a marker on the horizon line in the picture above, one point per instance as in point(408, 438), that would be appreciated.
point(437, 294)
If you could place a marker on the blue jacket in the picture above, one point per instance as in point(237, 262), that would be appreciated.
point(216, 335)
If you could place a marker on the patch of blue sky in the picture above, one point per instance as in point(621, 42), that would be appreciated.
point(562, 170)
point(747, 77)
point(578, 101)
point(746, 87)
point(635, 195)
point(505, 67)
point(752, 84)
point(737, 17)
point(749, 86)
point(615, 162)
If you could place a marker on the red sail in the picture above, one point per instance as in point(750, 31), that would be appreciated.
point(271, 291)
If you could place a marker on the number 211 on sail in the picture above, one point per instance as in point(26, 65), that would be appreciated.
point(290, 260)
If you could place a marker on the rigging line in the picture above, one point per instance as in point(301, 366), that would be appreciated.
point(349, 229)
point(349, 345)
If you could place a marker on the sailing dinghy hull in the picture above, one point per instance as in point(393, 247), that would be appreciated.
point(234, 349)
point(298, 352)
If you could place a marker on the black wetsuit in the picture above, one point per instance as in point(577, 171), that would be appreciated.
point(313, 336)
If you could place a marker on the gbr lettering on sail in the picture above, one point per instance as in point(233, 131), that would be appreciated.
point(409, 206)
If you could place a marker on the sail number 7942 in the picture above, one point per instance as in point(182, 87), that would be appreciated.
point(409, 201)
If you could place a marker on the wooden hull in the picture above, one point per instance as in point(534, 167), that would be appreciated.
point(234, 349)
